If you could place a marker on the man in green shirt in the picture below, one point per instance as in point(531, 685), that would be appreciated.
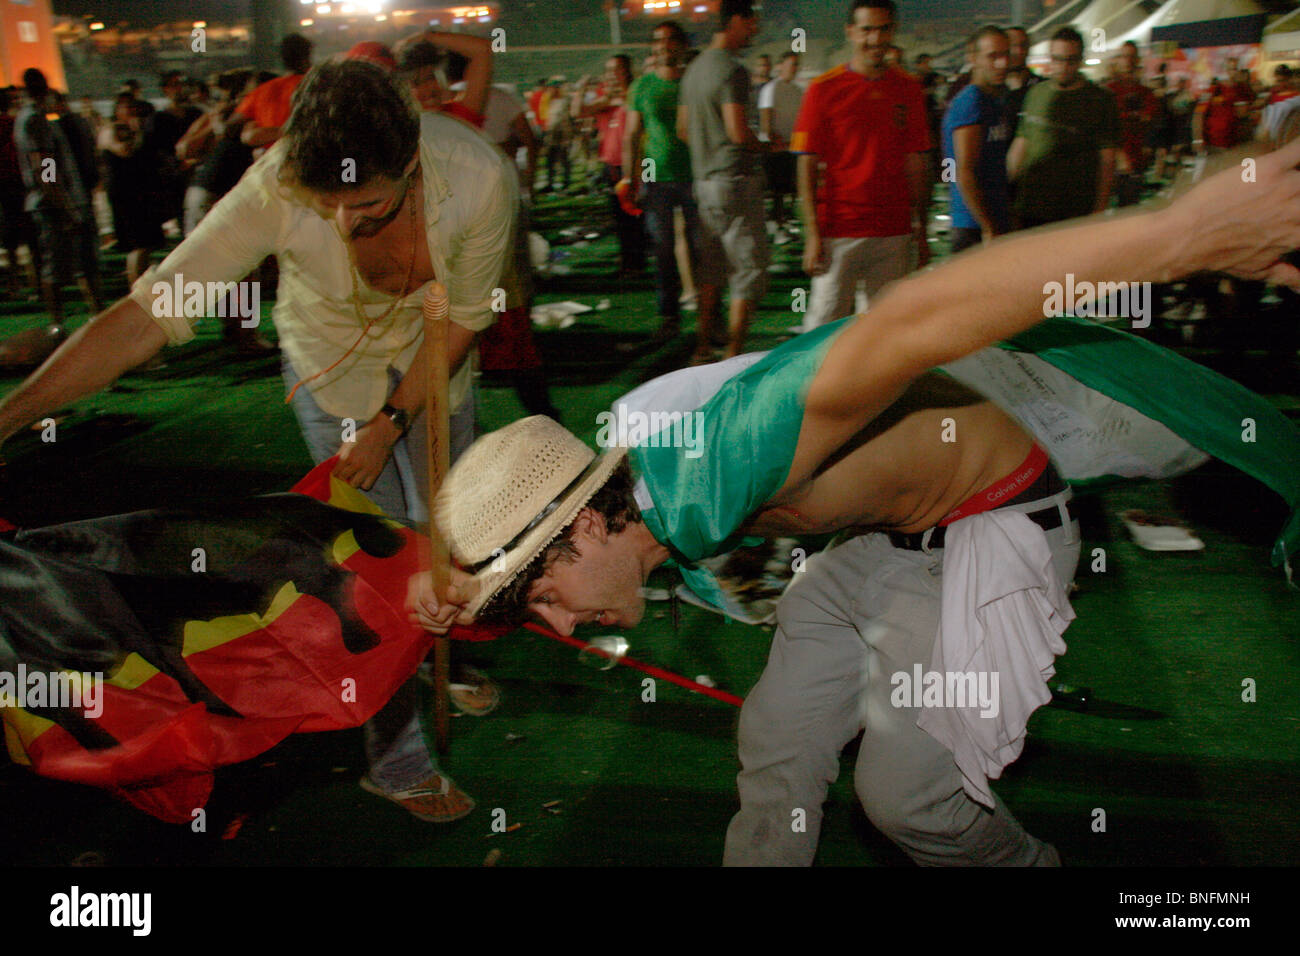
point(662, 181)
point(1063, 156)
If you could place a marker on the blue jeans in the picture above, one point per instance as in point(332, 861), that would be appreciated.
point(395, 748)
point(660, 199)
point(401, 489)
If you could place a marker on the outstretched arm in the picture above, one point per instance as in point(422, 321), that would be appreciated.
point(118, 340)
point(240, 231)
point(988, 294)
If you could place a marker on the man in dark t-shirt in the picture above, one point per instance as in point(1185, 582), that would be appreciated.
point(57, 200)
point(1063, 156)
point(162, 132)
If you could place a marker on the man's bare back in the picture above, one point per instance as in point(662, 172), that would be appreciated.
point(899, 473)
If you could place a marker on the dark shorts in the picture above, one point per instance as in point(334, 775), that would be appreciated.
point(18, 228)
point(780, 169)
point(962, 237)
point(68, 245)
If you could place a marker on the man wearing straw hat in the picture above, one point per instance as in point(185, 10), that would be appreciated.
point(845, 429)
point(365, 203)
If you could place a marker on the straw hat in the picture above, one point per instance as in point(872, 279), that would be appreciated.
point(512, 494)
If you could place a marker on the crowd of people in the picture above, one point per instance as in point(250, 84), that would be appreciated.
point(369, 177)
point(861, 148)
point(854, 169)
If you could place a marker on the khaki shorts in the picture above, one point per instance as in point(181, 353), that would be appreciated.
point(733, 235)
point(870, 261)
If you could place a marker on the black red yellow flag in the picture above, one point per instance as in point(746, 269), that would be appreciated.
point(141, 652)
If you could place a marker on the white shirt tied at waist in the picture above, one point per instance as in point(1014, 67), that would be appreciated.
point(470, 202)
point(1003, 611)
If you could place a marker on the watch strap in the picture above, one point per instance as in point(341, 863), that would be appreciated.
point(400, 417)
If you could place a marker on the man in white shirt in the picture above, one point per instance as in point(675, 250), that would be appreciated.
point(361, 224)
point(364, 204)
point(778, 108)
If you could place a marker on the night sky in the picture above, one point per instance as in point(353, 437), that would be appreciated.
point(912, 11)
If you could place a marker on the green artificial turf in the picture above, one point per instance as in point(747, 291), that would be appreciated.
point(1184, 770)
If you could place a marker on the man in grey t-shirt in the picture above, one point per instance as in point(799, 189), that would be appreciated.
point(728, 184)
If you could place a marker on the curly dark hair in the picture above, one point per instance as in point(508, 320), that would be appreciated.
point(349, 109)
point(419, 55)
point(614, 501)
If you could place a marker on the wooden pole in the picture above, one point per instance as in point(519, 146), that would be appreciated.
point(437, 310)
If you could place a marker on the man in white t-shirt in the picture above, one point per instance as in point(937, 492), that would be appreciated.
point(778, 108)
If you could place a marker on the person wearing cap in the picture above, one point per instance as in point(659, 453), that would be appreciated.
point(365, 203)
point(373, 52)
point(844, 429)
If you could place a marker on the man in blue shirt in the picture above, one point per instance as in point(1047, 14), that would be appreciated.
point(976, 134)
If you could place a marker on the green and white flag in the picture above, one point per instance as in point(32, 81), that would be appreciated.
point(1106, 405)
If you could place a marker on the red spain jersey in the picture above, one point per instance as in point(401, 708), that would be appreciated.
point(862, 131)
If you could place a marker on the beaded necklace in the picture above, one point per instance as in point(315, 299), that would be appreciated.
point(368, 324)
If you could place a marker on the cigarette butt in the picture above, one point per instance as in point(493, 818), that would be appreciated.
point(235, 825)
point(513, 827)
point(491, 859)
point(551, 803)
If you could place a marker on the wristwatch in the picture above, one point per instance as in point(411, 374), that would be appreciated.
point(400, 417)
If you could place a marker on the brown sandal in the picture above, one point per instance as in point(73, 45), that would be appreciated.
point(429, 800)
